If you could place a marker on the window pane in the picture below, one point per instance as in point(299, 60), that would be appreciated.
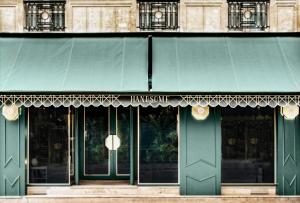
point(248, 145)
point(158, 145)
point(48, 145)
point(123, 160)
point(96, 131)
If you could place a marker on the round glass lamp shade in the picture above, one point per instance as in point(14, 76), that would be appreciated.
point(200, 113)
point(290, 112)
point(10, 112)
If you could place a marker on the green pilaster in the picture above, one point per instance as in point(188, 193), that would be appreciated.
point(288, 156)
point(200, 153)
point(12, 156)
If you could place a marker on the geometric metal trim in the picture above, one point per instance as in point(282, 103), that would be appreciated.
point(245, 14)
point(44, 15)
point(146, 100)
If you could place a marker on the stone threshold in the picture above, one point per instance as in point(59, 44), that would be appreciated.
point(151, 199)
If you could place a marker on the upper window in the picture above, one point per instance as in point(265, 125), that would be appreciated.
point(243, 15)
point(158, 14)
point(45, 15)
point(248, 145)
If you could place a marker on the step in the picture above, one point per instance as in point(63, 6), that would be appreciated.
point(114, 190)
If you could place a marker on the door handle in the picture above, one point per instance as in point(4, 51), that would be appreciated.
point(85, 135)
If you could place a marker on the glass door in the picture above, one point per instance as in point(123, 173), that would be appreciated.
point(105, 143)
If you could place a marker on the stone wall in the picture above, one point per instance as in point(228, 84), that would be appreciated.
point(11, 16)
point(122, 16)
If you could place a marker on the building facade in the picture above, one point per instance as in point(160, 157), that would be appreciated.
point(139, 92)
point(125, 15)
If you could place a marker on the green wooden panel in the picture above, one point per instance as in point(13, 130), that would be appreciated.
point(200, 154)
point(288, 158)
point(12, 156)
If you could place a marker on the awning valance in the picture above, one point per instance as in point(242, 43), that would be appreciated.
point(73, 64)
point(226, 64)
point(150, 100)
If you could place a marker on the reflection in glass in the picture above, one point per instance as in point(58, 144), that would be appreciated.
point(96, 130)
point(158, 162)
point(247, 145)
point(48, 145)
point(123, 160)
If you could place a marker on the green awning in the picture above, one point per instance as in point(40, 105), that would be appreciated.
point(73, 64)
point(226, 64)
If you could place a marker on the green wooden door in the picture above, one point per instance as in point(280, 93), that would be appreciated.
point(200, 153)
point(288, 156)
point(12, 156)
point(97, 159)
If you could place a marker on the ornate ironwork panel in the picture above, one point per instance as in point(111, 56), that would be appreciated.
point(44, 15)
point(248, 14)
point(158, 15)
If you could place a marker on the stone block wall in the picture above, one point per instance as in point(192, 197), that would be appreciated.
point(122, 16)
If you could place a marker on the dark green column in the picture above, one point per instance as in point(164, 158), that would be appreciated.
point(12, 156)
point(288, 156)
point(200, 153)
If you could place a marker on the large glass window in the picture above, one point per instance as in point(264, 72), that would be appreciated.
point(248, 145)
point(158, 145)
point(96, 158)
point(49, 152)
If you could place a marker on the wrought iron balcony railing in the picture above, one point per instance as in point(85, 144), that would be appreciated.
point(248, 14)
point(158, 14)
point(45, 15)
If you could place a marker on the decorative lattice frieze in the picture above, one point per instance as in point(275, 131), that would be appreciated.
point(150, 100)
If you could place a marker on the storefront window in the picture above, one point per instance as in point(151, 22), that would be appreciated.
point(48, 146)
point(158, 145)
point(248, 145)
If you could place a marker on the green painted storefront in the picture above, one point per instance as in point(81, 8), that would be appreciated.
point(126, 77)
